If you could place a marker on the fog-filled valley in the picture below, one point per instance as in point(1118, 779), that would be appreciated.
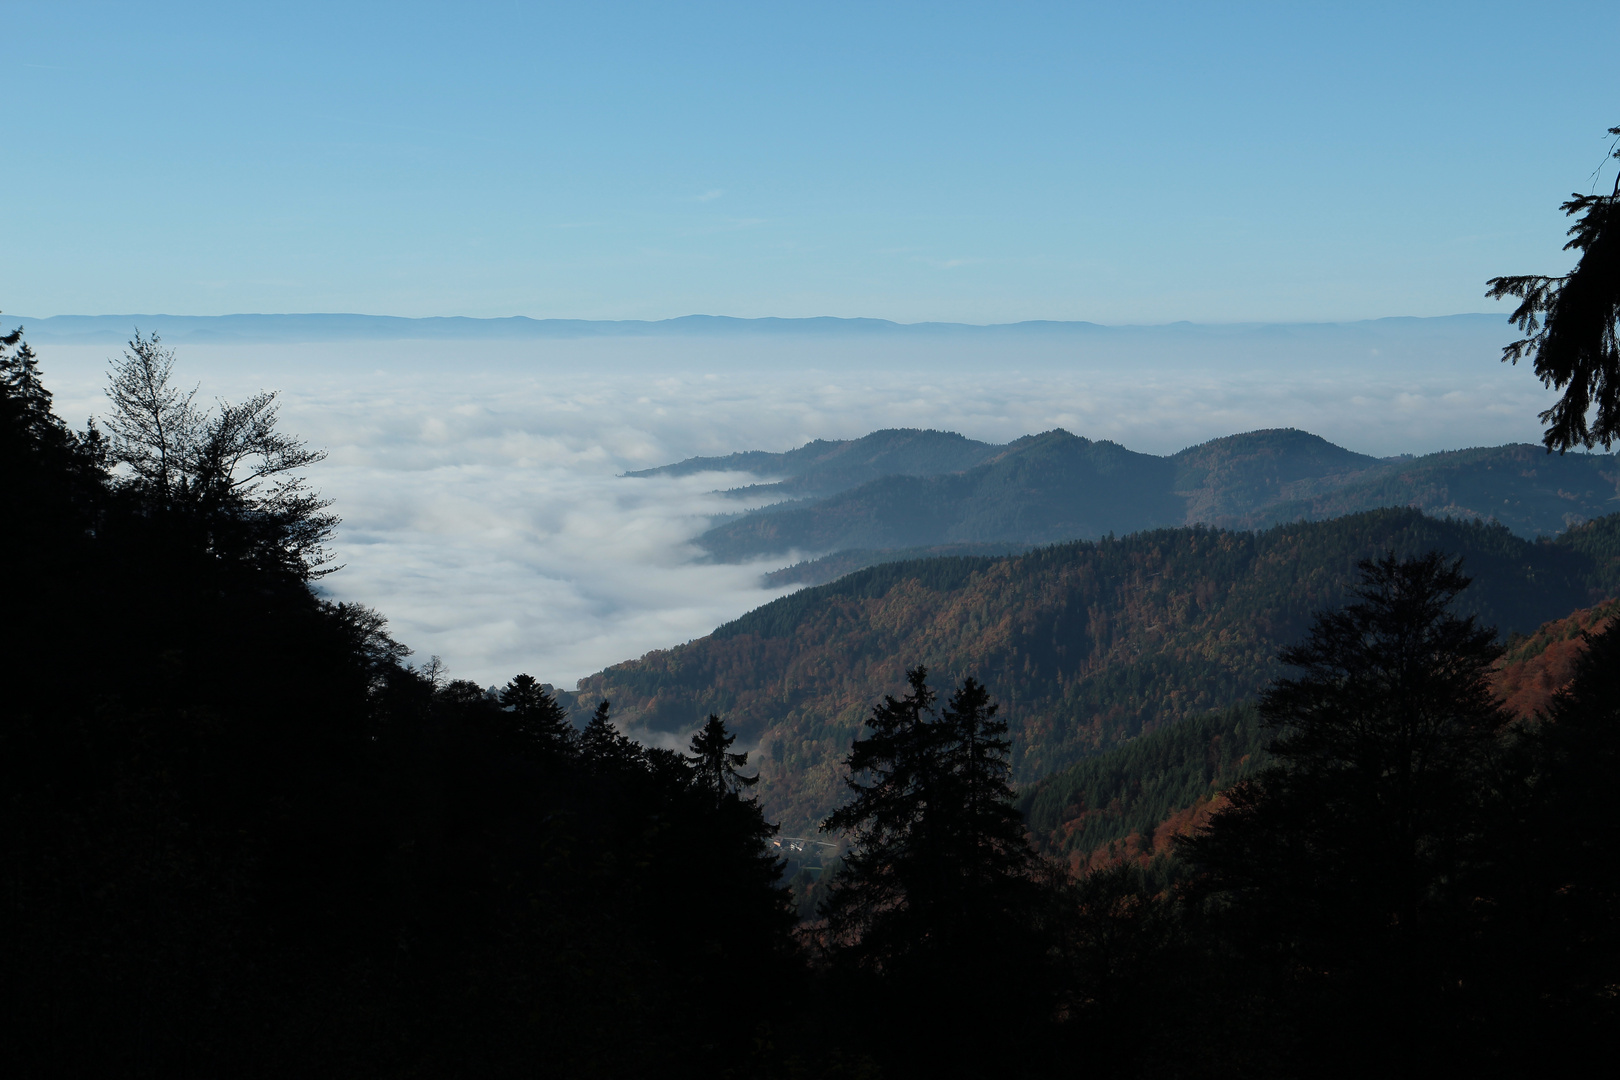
point(478, 468)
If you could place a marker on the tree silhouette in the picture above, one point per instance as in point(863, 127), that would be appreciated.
point(976, 788)
point(243, 839)
point(935, 834)
point(541, 721)
point(1350, 864)
point(1558, 884)
point(36, 441)
point(1570, 324)
point(229, 473)
point(937, 910)
point(603, 746)
point(892, 819)
point(714, 768)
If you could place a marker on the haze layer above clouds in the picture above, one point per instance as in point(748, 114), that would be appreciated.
point(479, 481)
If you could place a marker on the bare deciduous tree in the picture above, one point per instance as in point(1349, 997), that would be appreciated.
point(230, 462)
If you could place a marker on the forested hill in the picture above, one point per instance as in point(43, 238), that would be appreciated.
point(1524, 487)
point(1085, 644)
point(824, 467)
point(1132, 801)
point(1057, 486)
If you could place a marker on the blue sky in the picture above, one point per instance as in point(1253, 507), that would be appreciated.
point(979, 163)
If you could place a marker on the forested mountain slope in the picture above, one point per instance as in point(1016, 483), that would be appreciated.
point(1041, 489)
point(1085, 644)
point(1522, 486)
point(1538, 665)
point(1133, 800)
point(1225, 479)
point(826, 466)
point(1056, 486)
point(834, 566)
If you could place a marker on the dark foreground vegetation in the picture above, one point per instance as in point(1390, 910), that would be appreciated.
point(241, 837)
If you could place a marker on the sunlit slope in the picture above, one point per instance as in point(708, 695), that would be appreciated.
point(1224, 480)
point(1132, 801)
point(1085, 644)
point(1057, 486)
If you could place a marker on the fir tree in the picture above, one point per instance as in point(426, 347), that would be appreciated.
point(938, 910)
point(1380, 743)
point(1570, 325)
point(603, 746)
point(937, 842)
point(990, 832)
point(892, 773)
point(540, 721)
point(1349, 869)
point(714, 767)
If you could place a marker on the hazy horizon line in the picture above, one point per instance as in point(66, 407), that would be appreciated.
point(349, 325)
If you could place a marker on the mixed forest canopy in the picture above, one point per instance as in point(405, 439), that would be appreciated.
point(1088, 644)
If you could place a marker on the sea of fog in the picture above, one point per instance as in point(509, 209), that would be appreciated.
point(479, 480)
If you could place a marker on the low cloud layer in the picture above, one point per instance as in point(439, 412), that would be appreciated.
point(485, 514)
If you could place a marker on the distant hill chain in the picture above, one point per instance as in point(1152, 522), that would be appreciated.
point(1087, 645)
point(339, 326)
point(864, 498)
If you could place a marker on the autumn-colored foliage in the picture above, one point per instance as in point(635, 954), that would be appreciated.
point(1538, 666)
point(1088, 645)
point(1129, 804)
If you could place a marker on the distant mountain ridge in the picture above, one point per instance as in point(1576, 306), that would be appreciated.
point(341, 326)
point(903, 489)
point(824, 467)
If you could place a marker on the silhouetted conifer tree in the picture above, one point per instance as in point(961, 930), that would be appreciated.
point(714, 767)
point(977, 791)
point(603, 745)
point(1350, 861)
point(540, 721)
point(1570, 323)
point(938, 909)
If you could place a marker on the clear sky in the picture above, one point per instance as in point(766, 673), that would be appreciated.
point(982, 162)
